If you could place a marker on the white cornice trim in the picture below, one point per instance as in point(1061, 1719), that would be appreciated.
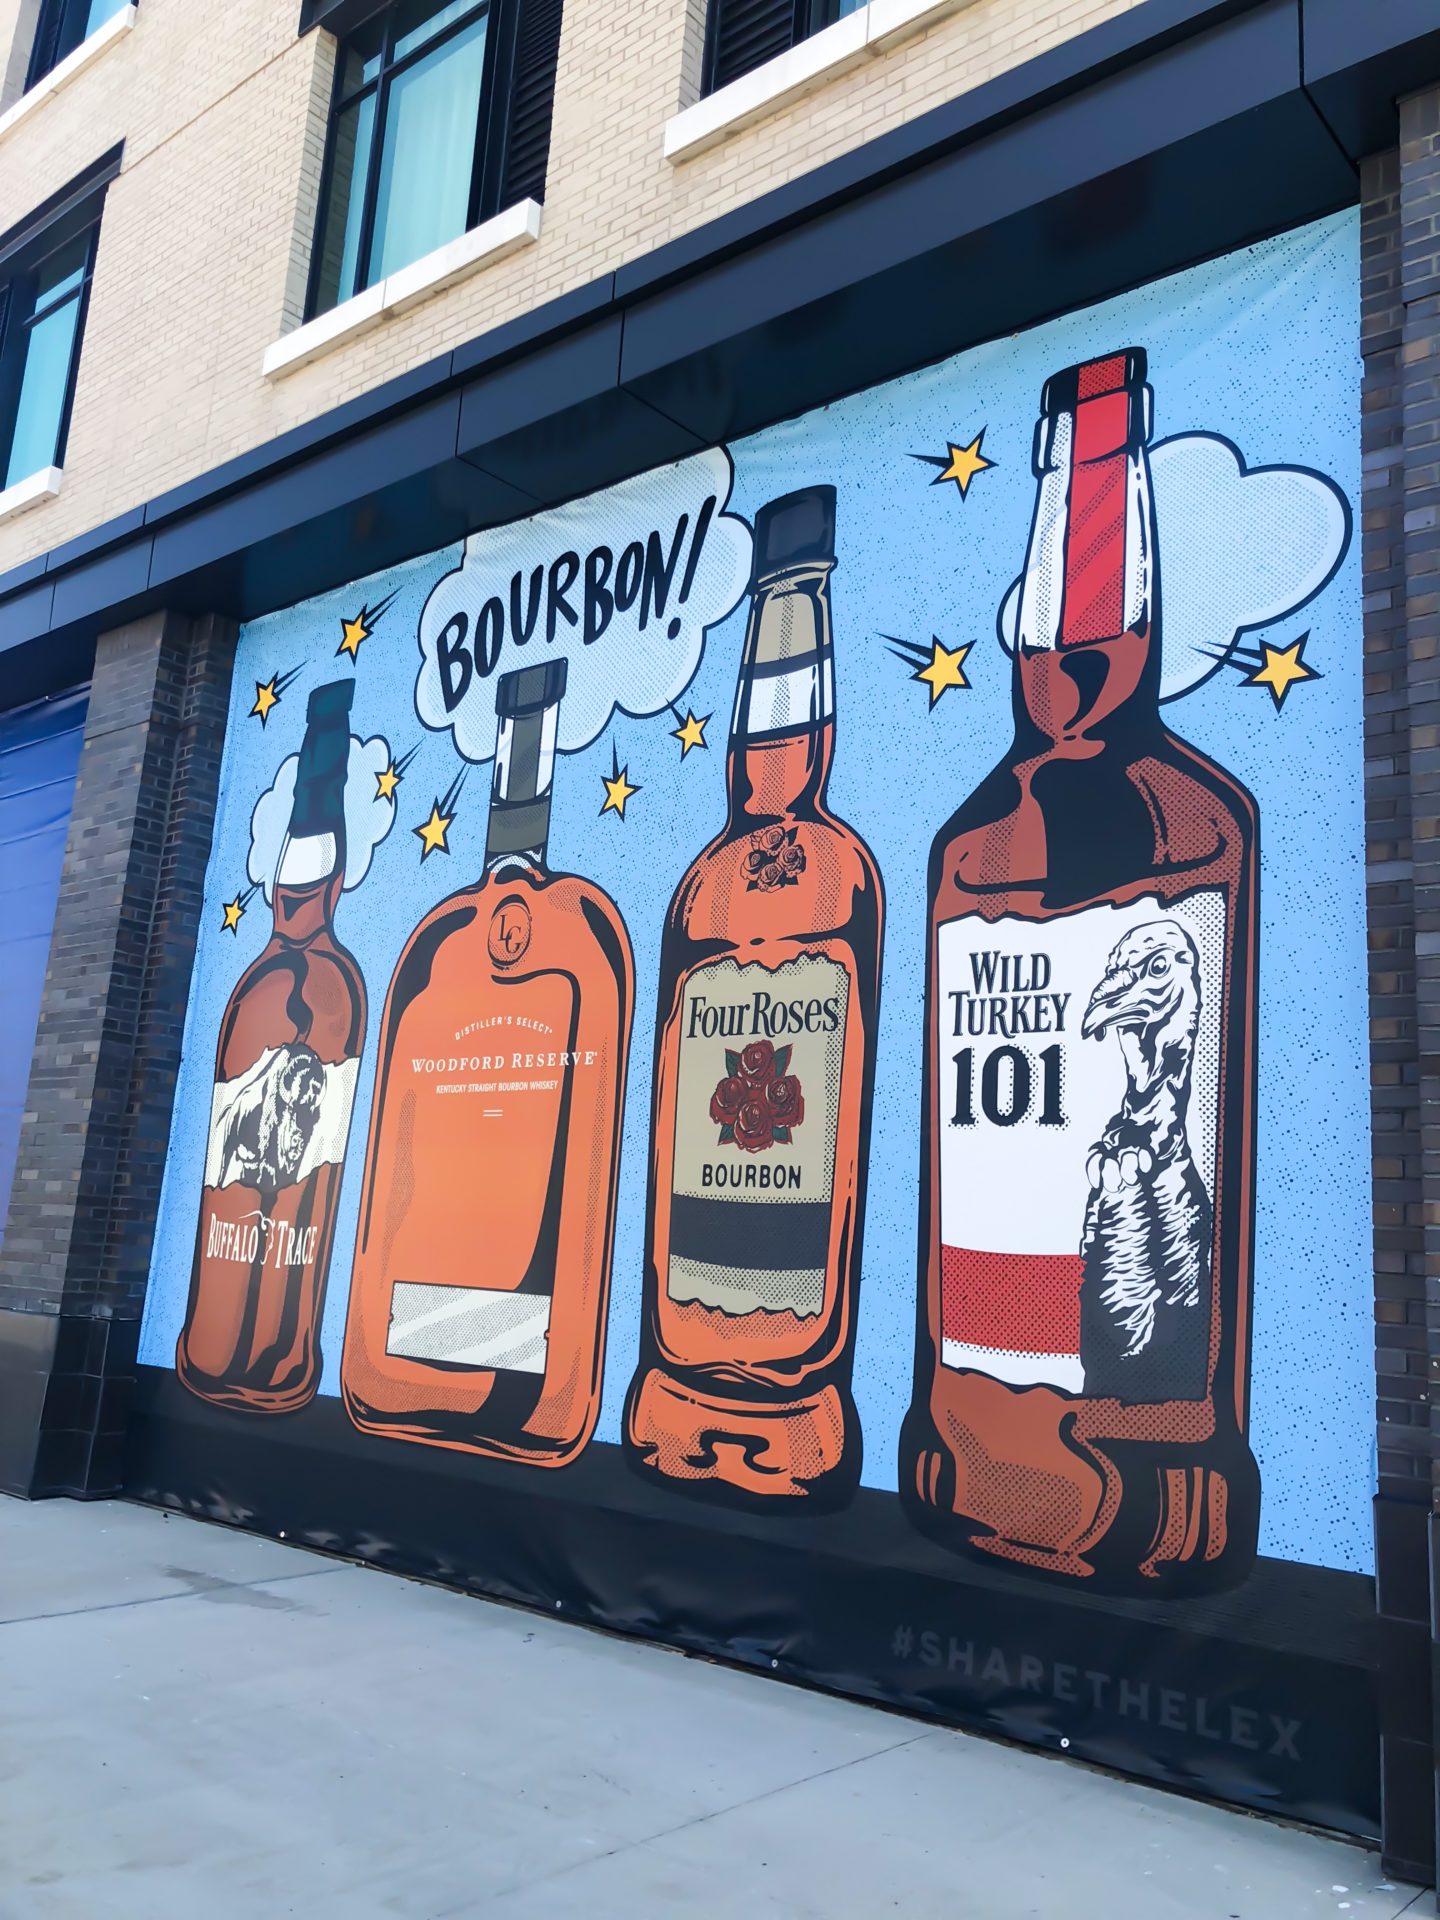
point(88, 51)
point(30, 491)
point(870, 30)
point(517, 226)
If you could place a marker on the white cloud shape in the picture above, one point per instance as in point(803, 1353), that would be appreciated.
point(1238, 550)
point(622, 583)
point(367, 818)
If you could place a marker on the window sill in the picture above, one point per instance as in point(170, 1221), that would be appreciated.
point(516, 227)
point(115, 28)
point(30, 491)
point(872, 29)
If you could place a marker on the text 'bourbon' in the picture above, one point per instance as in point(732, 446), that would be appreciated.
point(1087, 1169)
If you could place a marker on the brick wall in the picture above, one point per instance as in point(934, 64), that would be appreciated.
point(207, 231)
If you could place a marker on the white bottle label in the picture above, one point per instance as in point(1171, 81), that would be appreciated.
point(274, 1124)
point(1078, 1100)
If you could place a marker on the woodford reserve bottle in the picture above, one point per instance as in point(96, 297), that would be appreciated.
point(1088, 1150)
point(764, 1066)
point(290, 1043)
point(487, 1217)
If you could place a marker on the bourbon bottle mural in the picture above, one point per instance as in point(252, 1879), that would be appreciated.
point(764, 1066)
point(290, 1042)
point(487, 1217)
point(1087, 1157)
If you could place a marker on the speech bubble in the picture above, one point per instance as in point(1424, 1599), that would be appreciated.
point(368, 818)
point(1240, 548)
point(622, 583)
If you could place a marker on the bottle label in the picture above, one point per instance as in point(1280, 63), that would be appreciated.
point(757, 1104)
point(1078, 1101)
point(274, 1124)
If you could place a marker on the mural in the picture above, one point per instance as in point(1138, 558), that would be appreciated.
point(1030, 1256)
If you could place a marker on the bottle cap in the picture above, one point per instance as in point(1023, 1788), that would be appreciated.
point(796, 529)
point(1125, 372)
point(531, 689)
point(331, 703)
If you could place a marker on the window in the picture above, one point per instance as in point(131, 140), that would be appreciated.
point(42, 317)
point(743, 34)
point(63, 26)
point(441, 117)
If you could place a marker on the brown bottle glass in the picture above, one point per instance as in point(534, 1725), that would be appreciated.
point(1088, 1133)
point(764, 1068)
point(487, 1218)
point(285, 1069)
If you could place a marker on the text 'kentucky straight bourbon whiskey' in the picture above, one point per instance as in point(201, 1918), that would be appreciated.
point(285, 1069)
point(1087, 1160)
point(487, 1217)
point(764, 1067)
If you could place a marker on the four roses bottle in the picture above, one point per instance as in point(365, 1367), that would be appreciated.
point(764, 1067)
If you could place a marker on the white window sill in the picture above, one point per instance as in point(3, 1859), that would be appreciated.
point(516, 227)
point(115, 28)
point(870, 30)
point(30, 491)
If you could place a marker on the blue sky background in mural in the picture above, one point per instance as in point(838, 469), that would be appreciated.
point(1257, 348)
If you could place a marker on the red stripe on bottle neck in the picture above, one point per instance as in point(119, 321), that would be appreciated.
point(1094, 604)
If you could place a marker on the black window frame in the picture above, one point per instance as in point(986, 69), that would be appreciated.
point(781, 24)
point(20, 267)
point(53, 42)
point(487, 172)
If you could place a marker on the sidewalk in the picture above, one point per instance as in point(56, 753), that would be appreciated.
point(198, 1725)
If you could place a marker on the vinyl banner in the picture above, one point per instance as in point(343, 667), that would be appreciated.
point(777, 1055)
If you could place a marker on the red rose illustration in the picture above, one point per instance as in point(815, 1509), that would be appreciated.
point(726, 1099)
point(772, 839)
point(756, 1060)
point(753, 1127)
point(758, 1103)
point(792, 859)
point(785, 1100)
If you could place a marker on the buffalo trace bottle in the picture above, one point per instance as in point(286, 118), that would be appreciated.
point(1087, 1156)
point(764, 1067)
point(487, 1217)
point(290, 1043)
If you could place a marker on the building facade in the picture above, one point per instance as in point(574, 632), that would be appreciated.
point(503, 382)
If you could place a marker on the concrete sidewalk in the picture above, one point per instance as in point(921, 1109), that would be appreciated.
point(198, 1725)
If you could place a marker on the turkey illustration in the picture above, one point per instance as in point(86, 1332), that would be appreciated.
point(1145, 1295)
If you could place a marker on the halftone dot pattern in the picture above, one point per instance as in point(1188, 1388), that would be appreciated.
point(1258, 347)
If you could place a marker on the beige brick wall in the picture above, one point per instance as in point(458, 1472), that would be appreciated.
point(205, 243)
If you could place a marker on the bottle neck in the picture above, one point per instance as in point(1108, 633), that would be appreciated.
point(308, 879)
point(783, 732)
point(1088, 641)
point(519, 828)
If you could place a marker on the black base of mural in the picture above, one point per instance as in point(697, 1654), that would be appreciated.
point(1265, 1696)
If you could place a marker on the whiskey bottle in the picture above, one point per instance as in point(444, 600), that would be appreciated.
point(289, 1050)
point(487, 1216)
point(764, 1067)
point(1088, 1132)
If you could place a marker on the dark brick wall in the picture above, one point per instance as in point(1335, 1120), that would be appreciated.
point(87, 1180)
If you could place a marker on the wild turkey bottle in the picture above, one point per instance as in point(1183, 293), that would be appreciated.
point(764, 1067)
point(289, 1050)
point(487, 1218)
point(1088, 1130)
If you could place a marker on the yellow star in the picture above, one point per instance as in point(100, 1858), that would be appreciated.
point(691, 734)
point(386, 783)
point(354, 632)
point(432, 835)
point(618, 790)
point(965, 463)
point(1284, 668)
point(265, 698)
point(234, 913)
point(944, 670)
